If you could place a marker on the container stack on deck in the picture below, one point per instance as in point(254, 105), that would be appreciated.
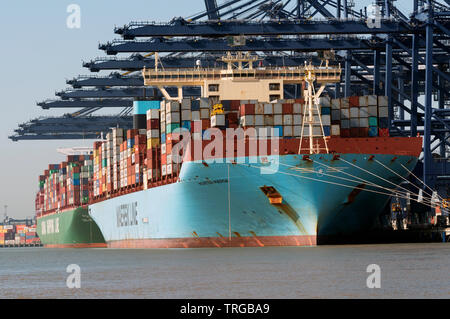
point(65, 185)
point(140, 158)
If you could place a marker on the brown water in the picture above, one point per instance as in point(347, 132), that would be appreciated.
point(407, 271)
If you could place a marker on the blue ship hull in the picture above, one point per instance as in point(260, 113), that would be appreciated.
point(222, 204)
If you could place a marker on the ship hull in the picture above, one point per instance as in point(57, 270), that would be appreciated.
point(72, 228)
point(223, 205)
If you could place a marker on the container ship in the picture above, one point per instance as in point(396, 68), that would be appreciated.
point(243, 165)
point(62, 217)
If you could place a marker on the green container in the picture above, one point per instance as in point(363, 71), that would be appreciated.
point(170, 128)
point(76, 175)
point(104, 162)
point(373, 121)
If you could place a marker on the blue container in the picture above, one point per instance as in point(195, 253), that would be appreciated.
point(383, 122)
point(206, 134)
point(326, 130)
point(278, 131)
point(226, 105)
point(186, 125)
point(130, 142)
point(137, 178)
point(163, 138)
point(141, 107)
point(373, 131)
point(326, 110)
point(373, 121)
point(195, 105)
point(76, 182)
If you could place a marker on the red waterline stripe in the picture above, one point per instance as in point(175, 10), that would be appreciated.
point(214, 242)
point(89, 245)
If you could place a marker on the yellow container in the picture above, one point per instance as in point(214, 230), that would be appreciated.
point(153, 142)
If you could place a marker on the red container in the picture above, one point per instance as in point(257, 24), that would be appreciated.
point(363, 132)
point(232, 118)
point(383, 132)
point(196, 126)
point(354, 132)
point(206, 124)
point(288, 108)
point(153, 124)
point(235, 105)
point(353, 101)
point(301, 101)
point(132, 133)
point(247, 109)
point(140, 140)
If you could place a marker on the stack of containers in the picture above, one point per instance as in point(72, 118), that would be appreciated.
point(168, 139)
point(87, 171)
point(325, 111)
point(383, 116)
point(118, 135)
point(196, 120)
point(97, 176)
point(205, 114)
point(138, 156)
point(153, 144)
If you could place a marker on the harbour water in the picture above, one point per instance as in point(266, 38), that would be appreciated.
point(407, 271)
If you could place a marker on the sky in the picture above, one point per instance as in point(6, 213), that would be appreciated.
point(39, 52)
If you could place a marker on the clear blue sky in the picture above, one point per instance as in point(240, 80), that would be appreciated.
point(38, 54)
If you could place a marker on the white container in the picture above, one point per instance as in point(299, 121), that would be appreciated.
point(277, 108)
point(163, 148)
point(248, 120)
point(324, 101)
point(259, 120)
point(326, 120)
point(364, 111)
point(204, 103)
point(372, 100)
point(204, 114)
point(268, 108)
point(363, 122)
point(172, 106)
point(383, 101)
point(383, 111)
point(287, 119)
point(152, 134)
point(297, 130)
point(354, 112)
point(173, 117)
point(218, 120)
point(373, 110)
point(277, 119)
point(345, 114)
point(163, 170)
point(195, 116)
point(363, 100)
point(186, 115)
point(335, 130)
point(185, 104)
point(297, 119)
point(336, 104)
point(288, 130)
point(297, 108)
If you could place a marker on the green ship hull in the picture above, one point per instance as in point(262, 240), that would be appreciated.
point(72, 228)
